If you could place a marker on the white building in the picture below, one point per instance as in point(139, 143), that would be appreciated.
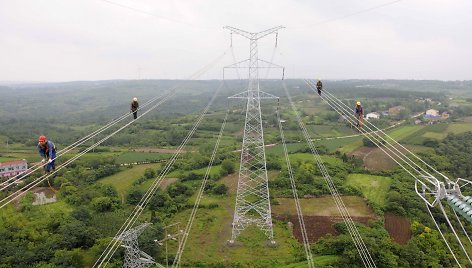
point(13, 168)
point(432, 112)
point(372, 116)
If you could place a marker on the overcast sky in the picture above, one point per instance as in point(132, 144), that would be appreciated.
point(63, 40)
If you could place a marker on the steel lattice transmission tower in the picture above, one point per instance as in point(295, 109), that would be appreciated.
point(252, 199)
point(134, 257)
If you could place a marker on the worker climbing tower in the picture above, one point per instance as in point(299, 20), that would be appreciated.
point(252, 199)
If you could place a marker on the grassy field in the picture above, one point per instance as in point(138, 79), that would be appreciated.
point(403, 131)
point(328, 130)
point(374, 188)
point(30, 155)
point(459, 128)
point(123, 180)
point(355, 144)
point(322, 206)
point(437, 131)
point(279, 150)
point(208, 237)
point(318, 261)
point(131, 157)
point(345, 145)
point(309, 156)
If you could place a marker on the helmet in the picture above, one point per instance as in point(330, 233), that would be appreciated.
point(358, 103)
point(135, 99)
point(42, 138)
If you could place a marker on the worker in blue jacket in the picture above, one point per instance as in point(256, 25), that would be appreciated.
point(47, 150)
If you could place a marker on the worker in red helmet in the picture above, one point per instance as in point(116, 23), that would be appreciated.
point(47, 150)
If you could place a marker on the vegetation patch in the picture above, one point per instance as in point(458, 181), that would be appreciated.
point(123, 180)
point(344, 145)
point(374, 188)
point(323, 206)
point(132, 157)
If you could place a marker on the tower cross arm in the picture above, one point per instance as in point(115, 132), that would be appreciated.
point(268, 31)
point(240, 32)
point(254, 36)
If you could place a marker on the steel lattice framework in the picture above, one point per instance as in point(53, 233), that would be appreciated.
point(252, 199)
point(133, 256)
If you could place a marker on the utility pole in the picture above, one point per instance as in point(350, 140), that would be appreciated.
point(171, 237)
point(252, 199)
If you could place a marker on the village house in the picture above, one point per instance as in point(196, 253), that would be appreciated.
point(13, 168)
point(373, 115)
point(432, 113)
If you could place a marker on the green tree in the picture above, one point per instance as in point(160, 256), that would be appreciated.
point(102, 204)
point(66, 258)
point(149, 173)
point(220, 189)
point(227, 166)
point(77, 235)
point(134, 196)
point(82, 214)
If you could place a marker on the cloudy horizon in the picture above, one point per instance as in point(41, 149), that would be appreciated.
point(123, 39)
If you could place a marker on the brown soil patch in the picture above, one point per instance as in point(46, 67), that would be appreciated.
point(398, 228)
point(323, 206)
point(231, 181)
point(317, 226)
point(156, 150)
point(166, 182)
point(374, 158)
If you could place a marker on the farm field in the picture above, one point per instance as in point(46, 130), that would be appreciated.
point(323, 206)
point(398, 227)
point(344, 145)
point(131, 157)
point(374, 188)
point(123, 180)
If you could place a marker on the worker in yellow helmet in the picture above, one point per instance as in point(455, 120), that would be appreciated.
point(359, 114)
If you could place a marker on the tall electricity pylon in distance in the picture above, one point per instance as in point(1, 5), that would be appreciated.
point(252, 199)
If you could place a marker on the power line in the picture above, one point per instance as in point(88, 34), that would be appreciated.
point(352, 228)
point(352, 14)
point(430, 185)
point(155, 15)
point(193, 214)
point(301, 221)
point(137, 211)
point(170, 93)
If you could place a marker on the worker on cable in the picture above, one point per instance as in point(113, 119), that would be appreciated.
point(47, 150)
point(135, 107)
point(359, 114)
point(319, 86)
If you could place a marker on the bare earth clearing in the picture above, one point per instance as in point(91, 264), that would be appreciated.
point(398, 227)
